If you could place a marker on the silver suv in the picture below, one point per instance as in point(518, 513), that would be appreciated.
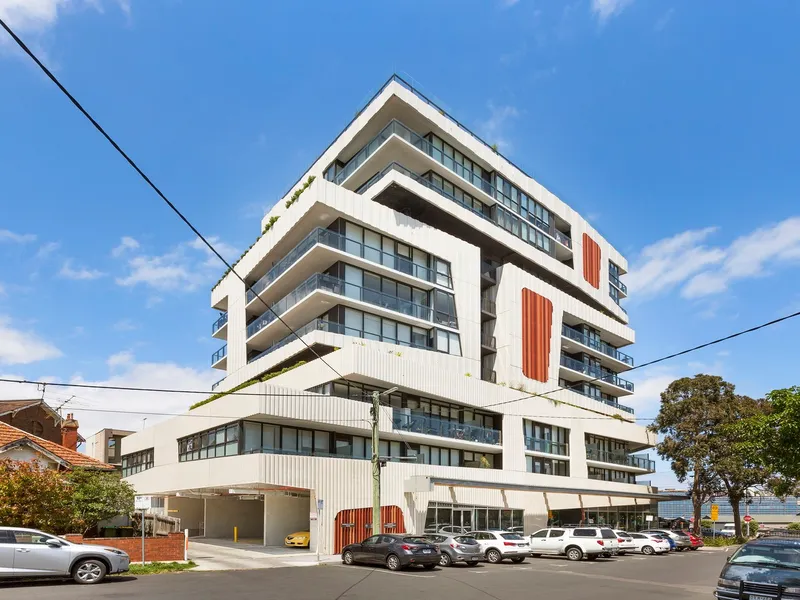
point(32, 553)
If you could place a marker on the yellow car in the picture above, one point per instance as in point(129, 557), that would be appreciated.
point(298, 539)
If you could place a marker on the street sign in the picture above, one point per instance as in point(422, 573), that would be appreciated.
point(714, 512)
point(649, 518)
point(312, 516)
point(142, 502)
point(748, 518)
point(320, 505)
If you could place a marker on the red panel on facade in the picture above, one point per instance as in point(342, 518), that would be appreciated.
point(537, 323)
point(591, 261)
point(351, 526)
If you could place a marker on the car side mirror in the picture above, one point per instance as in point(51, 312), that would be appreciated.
point(53, 543)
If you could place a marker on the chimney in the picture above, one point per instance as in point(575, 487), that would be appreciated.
point(69, 433)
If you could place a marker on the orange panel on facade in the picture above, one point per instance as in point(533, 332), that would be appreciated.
point(351, 525)
point(537, 325)
point(591, 261)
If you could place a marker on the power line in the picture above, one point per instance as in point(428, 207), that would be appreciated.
point(154, 187)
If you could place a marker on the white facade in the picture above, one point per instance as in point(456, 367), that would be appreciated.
point(393, 281)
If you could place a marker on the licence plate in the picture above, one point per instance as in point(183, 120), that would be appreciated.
point(755, 597)
point(426, 551)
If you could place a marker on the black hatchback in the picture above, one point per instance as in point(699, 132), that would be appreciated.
point(396, 551)
point(763, 569)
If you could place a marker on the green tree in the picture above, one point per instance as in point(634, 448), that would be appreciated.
point(33, 496)
point(98, 495)
point(771, 438)
point(691, 414)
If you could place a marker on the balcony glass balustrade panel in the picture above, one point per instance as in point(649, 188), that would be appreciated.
point(595, 372)
point(550, 447)
point(620, 458)
point(219, 354)
point(219, 323)
point(428, 425)
point(615, 281)
point(584, 339)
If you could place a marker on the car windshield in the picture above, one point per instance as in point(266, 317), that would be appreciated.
point(681, 533)
point(466, 540)
point(786, 556)
point(607, 534)
point(413, 539)
point(511, 536)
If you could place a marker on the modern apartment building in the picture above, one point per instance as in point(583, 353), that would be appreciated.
point(413, 260)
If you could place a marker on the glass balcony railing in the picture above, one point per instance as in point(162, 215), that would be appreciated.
point(324, 325)
point(219, 354)
point(219, 323)
point(340, 242)
point(584, 339)
point(620, 458)
point(215, 385)
point(595, 372)
point(421, 423)
point(489, 272)
point(584, 390)
point(488, 341)
point(321, 281)
point(397, 128)
point(615, 281)
point(488, 306)
point(563, 238)
point(550, 447)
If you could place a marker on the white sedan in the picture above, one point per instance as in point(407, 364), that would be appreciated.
point(626, 543)
point(649, 544)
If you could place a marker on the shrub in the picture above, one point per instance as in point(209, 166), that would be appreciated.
point(794, 526)
point(720, 541)
point(247, 383)
point(272, 220)
point(299, 191)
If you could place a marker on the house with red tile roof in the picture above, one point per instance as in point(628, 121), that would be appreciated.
point(16, 444)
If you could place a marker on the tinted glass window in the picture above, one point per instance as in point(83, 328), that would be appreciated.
point(511, 536)
point(623, 534)
point(608, 534)
point(371, 540)
point(540, 534)
point(6, 537)
point(466, 540)
point(30, 537)
point(556, 532)
point(415, 540)
point(585, 533)
point(436, 539)
point(637, 536)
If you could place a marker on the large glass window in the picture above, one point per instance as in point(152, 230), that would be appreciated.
point(137, 462)
point(547, 466)
point(220, 441)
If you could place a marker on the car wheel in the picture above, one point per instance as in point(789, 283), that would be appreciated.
point(494, 556)
point(679, 549)
point(393, 563)
point(445, 560)
point(574, 553)
point(693, 548)
point(621, 553)
point(88, 572)
point(535, 555)
point(517, 559)
point(347, 557)
point(648, 550)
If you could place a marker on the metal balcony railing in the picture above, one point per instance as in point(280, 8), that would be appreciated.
point(488, 340)
point(620, 458)
point(579, 388)
point(219, 354)
point(595, 372)
point(550, 447)
point(489, 272)
point(404, 420)
point(563, 238)
point(615, 280)
point(219, 323)
point(338, 241)
point(584, 339)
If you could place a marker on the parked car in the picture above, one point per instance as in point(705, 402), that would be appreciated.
point(456, 549)
point(762, 569)
point(32, 553)
point(395, 551)
point(446, 529)
point(650, 544)
point(728, 530)
point(298, 539)
point(625, 542)
point(669, 540)
point(575, 543)
point(499, 545)
point(682, 541)
point(697, 541)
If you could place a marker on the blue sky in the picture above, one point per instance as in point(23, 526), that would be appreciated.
point(672, 126)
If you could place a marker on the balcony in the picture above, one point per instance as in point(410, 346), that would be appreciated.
point(215, 385)
point(325, 325)
point(489, 375)
point(334, 285)
point(488, 273)
point(563, 238)
point(617, 405)
point(620, 458)
point(219, 360)
point(419, 423)
point(337, 241)
point(595, 373)
point(218, 327)
point(614, 280)
point(546, 446)
point(598, 346)
point(488, 343)
point(488, 307)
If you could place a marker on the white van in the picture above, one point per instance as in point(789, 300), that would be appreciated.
point(729, 530)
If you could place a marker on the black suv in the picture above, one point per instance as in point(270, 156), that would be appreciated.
point(762, 569)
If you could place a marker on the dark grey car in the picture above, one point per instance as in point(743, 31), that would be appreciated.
point(457, 549)
point(396, 551)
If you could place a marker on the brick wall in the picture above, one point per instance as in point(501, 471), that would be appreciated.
point(157, 549)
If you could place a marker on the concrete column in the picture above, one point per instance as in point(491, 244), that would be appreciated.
point(264, 532)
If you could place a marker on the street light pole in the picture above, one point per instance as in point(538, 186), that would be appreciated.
point(376, 460)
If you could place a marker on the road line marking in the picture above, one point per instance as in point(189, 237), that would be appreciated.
point(404, 574)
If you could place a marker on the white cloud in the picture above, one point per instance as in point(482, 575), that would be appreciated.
point(605, 9)
point(47, 249)
point(16, 238)
point(493, 129)
point(664, 20)
point(508, 3)
point(125, 325)
point(153, 301)
point(749, 256)
point(18, 347)
point(36, 16)
point(79, 274)
point(120, 358)
point(184, 268)
point(126, 243)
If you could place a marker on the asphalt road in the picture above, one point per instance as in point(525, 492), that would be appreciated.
point(689, 575)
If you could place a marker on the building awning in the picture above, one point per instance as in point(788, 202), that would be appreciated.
point(545, 489)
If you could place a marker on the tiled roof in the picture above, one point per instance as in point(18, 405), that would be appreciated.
point(9, 435)
point(7, 406)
